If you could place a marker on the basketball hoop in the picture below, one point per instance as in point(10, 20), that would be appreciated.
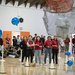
point(59, 6)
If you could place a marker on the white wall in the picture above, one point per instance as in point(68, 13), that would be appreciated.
point(53, 18)
point(51, 23)
point(33, 21)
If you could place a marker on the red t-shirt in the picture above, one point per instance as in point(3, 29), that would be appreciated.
point(30, 43)
point(48, 43)
point(55, 43)
point(66, 41)
point(38, 45)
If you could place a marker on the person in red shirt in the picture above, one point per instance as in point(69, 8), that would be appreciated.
point(30, 48)
point(48, 49)
point(67, 41)
point(38, 48)
point(55, 49)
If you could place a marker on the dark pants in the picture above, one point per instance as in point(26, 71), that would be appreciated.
point(29, 58)
point(30, 54)
point(23, 55)
point(27, 53)
point(66, 47)
point(55, 55)
point(73, 49)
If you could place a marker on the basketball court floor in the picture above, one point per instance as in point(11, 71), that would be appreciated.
point(12, 66)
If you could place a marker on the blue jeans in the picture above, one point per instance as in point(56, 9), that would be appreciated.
point(48, 51)
point(37, 55)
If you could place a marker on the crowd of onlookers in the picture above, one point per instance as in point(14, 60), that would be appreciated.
point(34, 47)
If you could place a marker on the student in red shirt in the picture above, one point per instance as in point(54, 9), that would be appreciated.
point(30, 48)
point(55, 50)
point(48, 49)
point(67, 41)
point(38, 48)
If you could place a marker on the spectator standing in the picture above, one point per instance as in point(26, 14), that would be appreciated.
point(23, 46)
point(73, 47)
point(30, 49)
point(67, 41)
point(38, 48)
point(7, 41)
point(55, 50)
point(48, 49)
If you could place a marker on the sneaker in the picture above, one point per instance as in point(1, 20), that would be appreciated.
point(36, 64)
point(40, 64)
point(22, 63)
point(45, 64)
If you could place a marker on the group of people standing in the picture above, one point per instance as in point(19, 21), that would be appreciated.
point(33, 48)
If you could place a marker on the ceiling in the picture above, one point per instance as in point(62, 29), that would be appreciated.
point(42, 3)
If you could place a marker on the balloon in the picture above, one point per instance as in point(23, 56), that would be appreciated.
point(0, 33)
point(68, 53)
point(21, 20)
point(69, 63)
point(15, 21)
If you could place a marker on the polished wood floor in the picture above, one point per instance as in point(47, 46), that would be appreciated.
point(12, 66)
